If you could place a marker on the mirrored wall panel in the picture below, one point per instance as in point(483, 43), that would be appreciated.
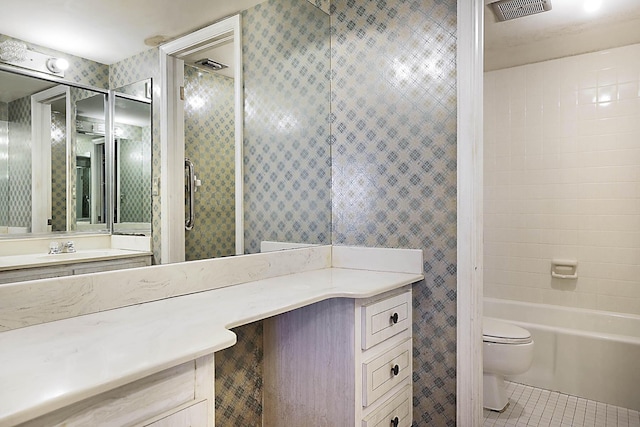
point(132, 147)
point(52, 157)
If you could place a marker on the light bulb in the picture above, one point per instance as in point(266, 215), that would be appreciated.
point(57, 65)
point(591, 6)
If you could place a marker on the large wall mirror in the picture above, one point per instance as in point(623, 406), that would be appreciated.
point(285, 165)
point(132, 151)
point(60, 172)
point(283, 61)
point(52, 157)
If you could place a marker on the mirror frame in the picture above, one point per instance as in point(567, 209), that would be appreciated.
point(172, 136)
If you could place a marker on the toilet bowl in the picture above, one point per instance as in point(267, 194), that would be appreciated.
point(507, 350)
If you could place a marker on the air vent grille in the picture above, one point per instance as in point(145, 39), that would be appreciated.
point(512, 9)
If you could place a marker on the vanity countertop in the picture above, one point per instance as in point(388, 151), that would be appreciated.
point(16, 262)
point(49, 366)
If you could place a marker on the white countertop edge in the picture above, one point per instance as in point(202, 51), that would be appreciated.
point(17, 262)
point(39, 354)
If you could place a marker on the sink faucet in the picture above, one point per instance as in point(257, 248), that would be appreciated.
point(68, 247)
point(54, 248)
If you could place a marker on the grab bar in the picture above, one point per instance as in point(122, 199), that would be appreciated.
point(190, 192)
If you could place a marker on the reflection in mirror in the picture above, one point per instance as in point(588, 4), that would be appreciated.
point(90, 182)
point(132, 132)
point(38, 142)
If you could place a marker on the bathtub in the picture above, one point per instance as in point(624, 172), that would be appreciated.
point(587, 353)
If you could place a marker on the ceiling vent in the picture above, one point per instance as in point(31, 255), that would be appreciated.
point(512, 9)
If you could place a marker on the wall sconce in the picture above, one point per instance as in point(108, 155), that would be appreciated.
point(17, 53)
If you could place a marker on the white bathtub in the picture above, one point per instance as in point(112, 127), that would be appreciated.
point(587, 353)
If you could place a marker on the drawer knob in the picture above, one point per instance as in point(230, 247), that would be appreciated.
point(395, 370)
point(394, 318)
point(394, 422)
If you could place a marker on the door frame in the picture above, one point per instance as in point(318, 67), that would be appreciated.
point(172, 137)
point(470, 64)
point(41, 204)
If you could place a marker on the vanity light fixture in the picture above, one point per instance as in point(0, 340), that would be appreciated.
point(57, 65)
point(13, 50)
point(17, 53)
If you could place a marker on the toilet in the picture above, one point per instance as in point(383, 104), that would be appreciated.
point(507, 350)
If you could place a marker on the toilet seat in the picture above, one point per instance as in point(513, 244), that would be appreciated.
point(495, 331)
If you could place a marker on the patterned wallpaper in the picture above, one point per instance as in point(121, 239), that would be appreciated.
point(394, 164)
point(58, 172)
point(135, 176)
point(210, 145)
point(323, 5)
point(4, 169)
point(20, 163)
point(286, 133)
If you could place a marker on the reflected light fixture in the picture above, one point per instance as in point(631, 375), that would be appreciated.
point(17, 53)
point(57, 65)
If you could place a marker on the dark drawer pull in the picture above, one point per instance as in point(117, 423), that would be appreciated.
point(394, 422)
point(395, 370)
point(394, 318)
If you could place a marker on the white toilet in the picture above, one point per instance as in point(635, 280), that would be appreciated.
point(507, 350)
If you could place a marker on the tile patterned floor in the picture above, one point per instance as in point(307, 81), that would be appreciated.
point(535, 407)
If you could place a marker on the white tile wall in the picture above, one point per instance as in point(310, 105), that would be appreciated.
point(562, 180)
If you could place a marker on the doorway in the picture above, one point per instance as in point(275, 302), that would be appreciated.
point(204, 118)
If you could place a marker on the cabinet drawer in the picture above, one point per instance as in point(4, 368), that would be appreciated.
point(384, 319)
point(386, 371)
point(398, 406)
point(193, 416)
point(129, 404)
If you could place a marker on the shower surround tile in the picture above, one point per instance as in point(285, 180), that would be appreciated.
point(561, 180)
point(394, 165)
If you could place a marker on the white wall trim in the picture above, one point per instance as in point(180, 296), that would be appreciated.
point(469, 273)
point(172, 137)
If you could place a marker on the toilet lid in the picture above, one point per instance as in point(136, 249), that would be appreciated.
point(497, 331)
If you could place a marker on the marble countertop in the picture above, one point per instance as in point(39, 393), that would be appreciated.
point(15, 262)
point(52, 365)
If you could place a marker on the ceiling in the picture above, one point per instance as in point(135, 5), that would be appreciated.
point(568, 29)
point(108, 31)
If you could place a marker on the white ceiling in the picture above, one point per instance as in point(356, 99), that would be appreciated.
point(108, 31)
point(564, 31)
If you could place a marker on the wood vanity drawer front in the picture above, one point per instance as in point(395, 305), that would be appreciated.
point(193, 416)
point(130, 404)
point(384, 319)
point(398, 406)
point(386, 371)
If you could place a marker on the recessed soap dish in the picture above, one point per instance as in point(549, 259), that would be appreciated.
point(564, 269)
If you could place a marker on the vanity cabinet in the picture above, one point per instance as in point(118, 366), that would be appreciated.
point(177, 397)
point(75, 268)
point(340, 362)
